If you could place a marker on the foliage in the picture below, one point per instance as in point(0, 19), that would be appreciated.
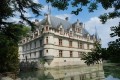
point(112, 53)
point(9, 39)
point(42, 60)
point(8, 8)
point(96, 55)
point(92, 5)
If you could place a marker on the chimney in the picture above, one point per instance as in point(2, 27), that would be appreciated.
point(66, 18)
point(36, 20)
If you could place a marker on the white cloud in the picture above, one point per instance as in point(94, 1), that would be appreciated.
point(102, 29)
point(108, 10)
point(63, 16)
point(33, 19)
point(36, 1)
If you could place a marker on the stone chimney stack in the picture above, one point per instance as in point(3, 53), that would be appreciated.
point(66, 18)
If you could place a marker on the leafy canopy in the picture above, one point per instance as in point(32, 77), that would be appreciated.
point(92, 5)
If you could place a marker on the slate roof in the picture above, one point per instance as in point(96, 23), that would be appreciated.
point(55, 21)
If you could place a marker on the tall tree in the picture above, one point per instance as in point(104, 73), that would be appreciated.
point(9, 39)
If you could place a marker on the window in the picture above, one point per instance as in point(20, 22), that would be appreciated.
point(35, 44)
point(87, 46)
point(72, 78)
point(40, 53)
point(79, 54)
point(40, 43)
point(35, 54)
point(60, 53)
point(81, 45)
point(46, 28)
point(30, 55)
point(23, 55)
point(78, 44)
point(71, 54)
point(60, 29)
point(46, 51)
point(70, 33)
point(70, 43)
point(30, 46)
point(78, 30)
point(60, 42)
point(46, 40)
point(61, 79)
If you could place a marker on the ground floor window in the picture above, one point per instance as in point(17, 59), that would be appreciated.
point(60, 53)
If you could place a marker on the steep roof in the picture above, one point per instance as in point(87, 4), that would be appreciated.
point(55, 21)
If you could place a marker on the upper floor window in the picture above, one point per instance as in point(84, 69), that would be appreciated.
point(78, 44)
point(23, 55)
point(35, 54)
point(46, 40)
point(81, 45)
point(71, 54)
point(60, 29)
point(46, 28)
point(30, 55)
point(35, 44)
point(79, 54)
point(87, 46)
point(70, 43)
point(70, 33)
point(60, 53)
point(40, 43)
point(79, 30)
point(40, 53)
point(60, 42)
point(46, 51)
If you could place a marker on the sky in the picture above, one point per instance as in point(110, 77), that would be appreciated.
point(90, 20)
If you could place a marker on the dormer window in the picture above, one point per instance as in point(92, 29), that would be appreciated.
point(46, 28)
point(78, 29)
point(36, 33)
point(70, 33)
point(60, 29)
point(88, 37)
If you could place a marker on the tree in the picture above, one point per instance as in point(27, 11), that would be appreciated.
point(112, 53)
point(8, 8)
point(11, 33)
point(92, 5)
point(96, 55)
point(9, 39)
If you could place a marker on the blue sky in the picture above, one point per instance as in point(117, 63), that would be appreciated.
point(89, 19)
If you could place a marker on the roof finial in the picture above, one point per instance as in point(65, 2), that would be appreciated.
point(96, 34)
point(49, 10)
